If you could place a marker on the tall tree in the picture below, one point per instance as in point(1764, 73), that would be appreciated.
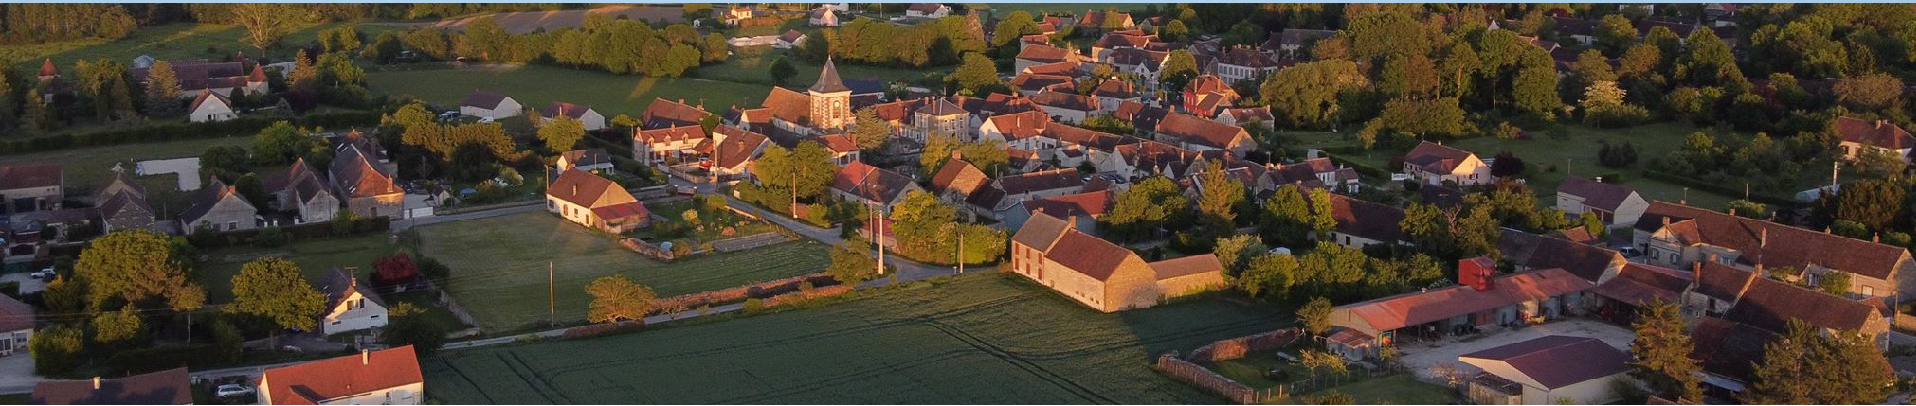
point(561, 132)
point(1662, 351)
point(1268, 274)
point(1222, 193)
point(782, 70)
point(852, 263)
point(1149, 205)
point(163, 90)
point(870, 131)
point(135, 267)
point(274, 288)
point(616, 298)
point(1315, 316)
point(1179, 68)
point(1779, 379)
point(1287, 216)
point(265, 23)
point(978, 75)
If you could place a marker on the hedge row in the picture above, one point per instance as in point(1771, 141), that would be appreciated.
point(1362, 169)
point(245, 125)
point(313, 230)
point(1780, 202)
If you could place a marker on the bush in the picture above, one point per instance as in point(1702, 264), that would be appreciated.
point(244, 125)
point(56, 350)
point(754, 305)
point(269, 237)
point(432, 268)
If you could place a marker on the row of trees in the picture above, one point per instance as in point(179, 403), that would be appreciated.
point(1803, 365)
point(874, 42)
point(618, 46)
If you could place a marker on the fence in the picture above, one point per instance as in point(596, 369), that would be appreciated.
point(1185, 369)
point(734, 294)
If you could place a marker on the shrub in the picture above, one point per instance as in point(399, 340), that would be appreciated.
point(269, 237)
point(754, 305)
point(56, 350)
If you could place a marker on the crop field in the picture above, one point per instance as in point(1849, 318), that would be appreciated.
point(536, 85)
point(499, 266)
point(173, 41)
point(974, 339)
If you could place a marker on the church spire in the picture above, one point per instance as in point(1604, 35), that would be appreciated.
point(828, 81)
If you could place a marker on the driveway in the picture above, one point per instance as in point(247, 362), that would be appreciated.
point(1419, 357)
point(16, 373)
point(27, 283)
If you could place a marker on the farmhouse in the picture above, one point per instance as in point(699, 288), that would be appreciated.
point(349, 305)
point(1066, 107)
point(1749, 298)
point(385, 377)
point(1525, 251)
point(1636, 285)
point(1361, 330)
point(123, 205)
point(790, 39)
point(824, 17)
point(1861, 136)
point(484, 104)
point(201, 76)
point(1103, 275)
point(1677, 236)
point(1433, 164)
point(209, 107)
point(1614, 204)
point(219, 207)
point(590, 200)
point(301, 191)
point(735, 150)
point(664, 113)
point(1543, 370)
point(366, 189)
point(169, 387)
point(592, 120)
point(590, 160)
point(1362, 224)
point(670, 144)
point(927, 10)
point(29, 188)
point(865, 185)
point(1198, 134)
point(1086, 207)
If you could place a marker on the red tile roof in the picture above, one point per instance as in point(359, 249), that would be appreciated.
point(664, 113)
point(1186, 265)
point(30, 176)
point(788, 105)
point(737, 147)
point(670, 134)
point(206, 96)
point(1042, 181)
point(1198, 130)
point(1433, 157)
point(1044, 53)
point(356, 176)
point(557, 108)
point(1770, 304)
point(319, 381)
point(1417, 308)
point(483, 99)
point(1558, 361)
point(1088, 255)
point(1091, 204)
point(1376, 221)
point(1774, 245)
point(1040, 231)
point(1639, 284)
point(1066, 101)
point(1879, 133)
point(621, 211)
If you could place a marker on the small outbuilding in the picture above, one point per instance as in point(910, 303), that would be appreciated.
point(1548, 370)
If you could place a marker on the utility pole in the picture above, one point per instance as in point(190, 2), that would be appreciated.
point(552, 301)
point(961, 251)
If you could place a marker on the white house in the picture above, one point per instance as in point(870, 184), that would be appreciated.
point(16, 326)
point(210, 106)
point(592, 120)
point(1434, 164)
point(1614, 204)
point(791, 39)
point(927, 10)
point(1863, 136)
point(384, 377)
point(824, 16)
point(488, 104)
point(1548, 370)
point(350, 306)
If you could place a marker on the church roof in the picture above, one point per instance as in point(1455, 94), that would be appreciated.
point(828, 81)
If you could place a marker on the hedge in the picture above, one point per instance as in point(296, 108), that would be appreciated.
point(1362, 169)
point(245, 125)
point(1780, 202)
point(313, 230)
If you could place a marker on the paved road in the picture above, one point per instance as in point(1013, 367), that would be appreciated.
point(531, 206)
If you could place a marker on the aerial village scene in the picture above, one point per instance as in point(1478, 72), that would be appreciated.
point(957, 203)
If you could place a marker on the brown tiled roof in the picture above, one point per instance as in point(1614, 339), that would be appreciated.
point(1097, 18)
point(169, 387)
point(1879, 133)
point(1434, 157)
point(1092, 139)
point(1088, 255)
point(1210, 84)
point(1186, 265)
point(791, 36)
point(1788, 246)
point(1770, 304)
point(356, 176)
point(556, 108)
point(1042, 180)
point(1092, 204)
point(958, 176)
point(1031, 82)
point(1728, 348)
point(1251, 114)
point(210, 194)
point(737, 147)
point(1200, 131)
point(1117, 89)
point(47, 68)
point(483, 99)
point(1140, 116)
point(1123, 39)
point(670, 134)
point(1021, 125)
point(839, 143)
point(1417, 308)
point(1066, 69)
point(828, 81)
point(1640, 284)
point(1248, 58)
point(313, 382)
point(1360, 218)
point(941, 107)
point(1595, 194)
point(1066, 101)
point(587, 157)
point(793, 107)
point(1540, 252)
point(1151, 60)
point(664, 113)
point(579, 187)
point(1044, 53)
point(15, 315)
point(1721, 281)
point(926, 8)
point(30, 176)
point(1559, 361)
point(869, 182)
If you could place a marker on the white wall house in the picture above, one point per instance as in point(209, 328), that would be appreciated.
point(350, 306)
point(486, 104)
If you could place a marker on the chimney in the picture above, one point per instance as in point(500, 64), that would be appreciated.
point(956, 154)
point(365, 357)
point(96, 383)
point(681, 100)
point(1733, 211)
point(1072, 222)
point(1879, 123)
point(1878, 238)
point(1762, 237)
point(1599, 179)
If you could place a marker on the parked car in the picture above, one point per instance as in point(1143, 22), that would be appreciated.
point(1629, 252)
point(47, 274)
point(232, 391)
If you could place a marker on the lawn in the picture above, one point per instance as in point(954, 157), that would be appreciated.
point(88, 168)
point(976, 339)
point(536, 85)
point(710, 226)
point(499, 266)
point(1400, 389)
point(1036, 9)
point(755, 68)
point(316, 258)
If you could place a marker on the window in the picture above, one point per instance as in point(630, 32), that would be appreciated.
point(232, 225)
point(335, 323)
point(1869, 291)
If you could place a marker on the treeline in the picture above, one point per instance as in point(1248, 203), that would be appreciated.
point(874, 42)
point(618, 46)
point(35, 23)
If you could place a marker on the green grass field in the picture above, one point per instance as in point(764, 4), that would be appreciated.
point(88, 168)
point(316, 258)
point(1036, 9)
point(536, 85)
point(167, 42)
point(976, 339)
point(756, 69)
point(499, 266)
